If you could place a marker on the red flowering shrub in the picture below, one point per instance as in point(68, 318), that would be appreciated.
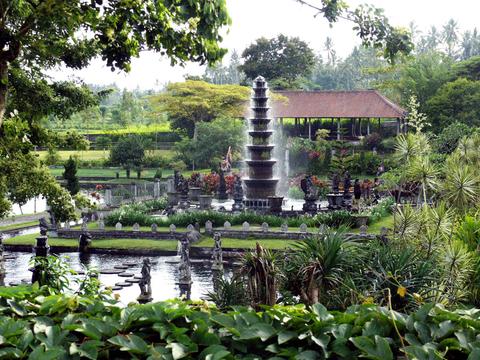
point(210, 183)
point(195, 180)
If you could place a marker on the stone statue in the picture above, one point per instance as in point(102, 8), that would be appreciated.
point(311, 195)
point(145, 282)
point(43, 226)
point(217, 253)
point(84, 242)
point(347, 183)
point(176, 179)
point(335, 183)
point(182, 185)
point(238, 188)
point(222, 187)
point(310, 190)
point(184, 272)
point(226, 164)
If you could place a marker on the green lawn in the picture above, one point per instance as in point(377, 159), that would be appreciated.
point(111, 172)
point(18, 225)
point(147, 244)
point(132, 129)
point(247, 243)
point(375, 227)
point(88, 155)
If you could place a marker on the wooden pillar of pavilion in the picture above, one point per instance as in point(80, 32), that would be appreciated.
point(338, 129)
point(368, 126)
point(309, 129)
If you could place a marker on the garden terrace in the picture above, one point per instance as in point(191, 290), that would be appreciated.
point(359, 107)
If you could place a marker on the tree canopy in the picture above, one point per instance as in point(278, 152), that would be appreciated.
point(37, 35)
point(190, 102)
point(281, 60)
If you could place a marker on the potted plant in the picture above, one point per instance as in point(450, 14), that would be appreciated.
point(209, 186)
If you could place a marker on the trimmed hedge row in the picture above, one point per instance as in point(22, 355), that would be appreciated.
point(128, 217)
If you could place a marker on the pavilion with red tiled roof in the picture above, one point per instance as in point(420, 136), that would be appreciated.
point(360, 107)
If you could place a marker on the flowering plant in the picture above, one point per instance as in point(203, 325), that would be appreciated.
point(210, 183)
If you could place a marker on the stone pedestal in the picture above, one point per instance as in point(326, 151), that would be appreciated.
point(276, 203)
point(42, 249)
point(222, 188)
point(108, 197)
point(194, 193)
point(310, 206)
point(156, 189)
point(173, 198)
point(335, 201)
point(205, 201)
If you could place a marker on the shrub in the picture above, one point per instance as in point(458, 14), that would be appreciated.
point(70, 175)
point(158, 174)
point(155, 161)
point(90, 327)
point(294, 192)
point(447, 140)
point(372, 141)
point(137, 213)
point(52, 158)
point(387, 145)
point(365, 163)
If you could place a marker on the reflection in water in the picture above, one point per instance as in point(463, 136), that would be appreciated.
point(164, 275)
point(85, 259)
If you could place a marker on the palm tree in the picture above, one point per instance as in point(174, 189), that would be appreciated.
point(450, 36)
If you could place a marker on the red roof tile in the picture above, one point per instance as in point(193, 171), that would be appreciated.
point(335, 104)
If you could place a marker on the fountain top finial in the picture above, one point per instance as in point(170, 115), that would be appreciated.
point(259, 81)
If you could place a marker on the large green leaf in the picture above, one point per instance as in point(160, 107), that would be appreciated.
point(321, 312)
point(258, 330)
point(131, 343)
point(285, 335)
point(214, 352)
point(376, 348)
point(88, 349)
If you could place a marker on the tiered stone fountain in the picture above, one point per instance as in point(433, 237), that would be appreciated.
point(260, 182)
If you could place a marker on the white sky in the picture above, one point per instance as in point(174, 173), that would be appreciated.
point(252, 19)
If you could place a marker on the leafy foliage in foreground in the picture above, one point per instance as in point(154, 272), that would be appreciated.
point(37, 324)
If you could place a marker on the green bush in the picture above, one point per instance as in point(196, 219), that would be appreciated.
point(448, 138)
point(365, 162)
point(387, 145)
point(294, 192)
point(131, 214)
point(37, 324)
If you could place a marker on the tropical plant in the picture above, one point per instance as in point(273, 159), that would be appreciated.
point(397, 275)
point(319, 265)
point(461, 186)
point(228, 293)
point(261, 271)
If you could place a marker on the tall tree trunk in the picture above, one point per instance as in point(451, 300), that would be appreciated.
point(3, 89)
